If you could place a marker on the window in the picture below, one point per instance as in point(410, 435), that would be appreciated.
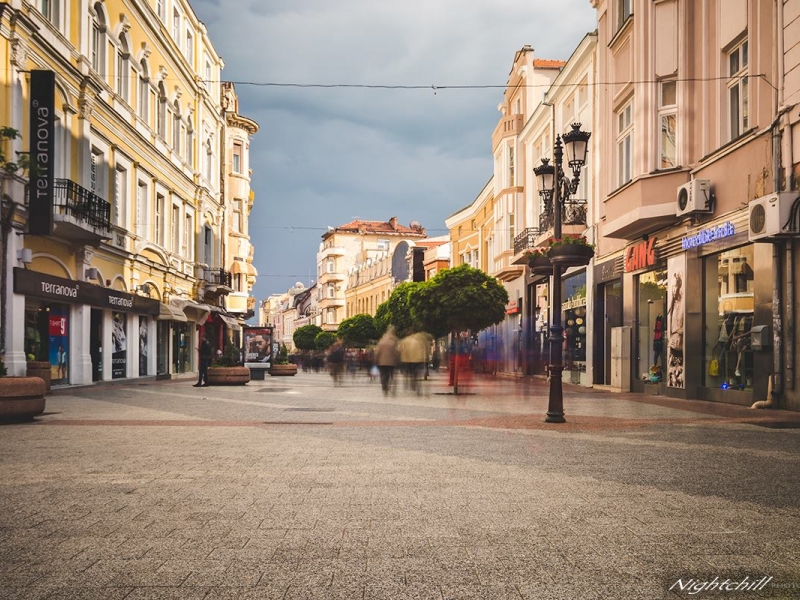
point(176, 26)
point(190, 145)
point(143, 102)
point(98, 49)
point(331, 290)
point(176, 228)
point(737, 90)
point(189, 47)
point(161, 125)
point(383, 244)
point(511, 230)
point(208, 245)
point(160, 6)
point(141, 209)
point(237, 158)
point(159, 223)
point(176, 128)
point(96, 173)
point(624, 144)
point(207, 71)
point(188, 247)
point(209, 160)
point(623, 12)
point(237, 282)
point(120, 189)
point(122, 68)
point(668, 117)
point(329, 266)
point(511, 179)
point(51, 9)
point(237, 216)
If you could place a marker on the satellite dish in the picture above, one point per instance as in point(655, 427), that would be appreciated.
point(415, 225)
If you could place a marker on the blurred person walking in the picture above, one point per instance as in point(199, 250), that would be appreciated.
point(387, 358)
point(336, 360)
point(413, 355)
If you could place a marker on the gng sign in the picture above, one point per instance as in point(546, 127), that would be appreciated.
point(42, 122)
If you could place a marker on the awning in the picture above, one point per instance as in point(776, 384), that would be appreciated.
point(232, 323)
point(251, 269)
point(194, 311)
point(170, 313)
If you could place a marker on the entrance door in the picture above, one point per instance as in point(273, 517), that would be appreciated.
point(162, 348)
point(609, 305)
point(96, 344)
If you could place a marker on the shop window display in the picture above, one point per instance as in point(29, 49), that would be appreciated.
point(729, 305)
point(651, 332)
point(574, 319)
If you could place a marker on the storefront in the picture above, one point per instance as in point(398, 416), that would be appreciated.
point(574, 320)
point(535, 323)
point(69, 323)
point(607, 315)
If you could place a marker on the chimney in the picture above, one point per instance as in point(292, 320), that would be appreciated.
point(393, 222)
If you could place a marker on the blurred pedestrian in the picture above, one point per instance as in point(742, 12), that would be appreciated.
point(336, 360)
point(413, 354)
point(206, 352)
point(387, 358)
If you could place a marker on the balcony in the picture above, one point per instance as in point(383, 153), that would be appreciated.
point(331, 251)
point(643, 206)
point(507, 127)
point(217, 282)
point(573, 220)
point(79, 215)
point(524, 241)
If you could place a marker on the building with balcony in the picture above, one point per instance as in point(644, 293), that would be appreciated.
point(351, 244)
point(115, 237)
point(699, 113)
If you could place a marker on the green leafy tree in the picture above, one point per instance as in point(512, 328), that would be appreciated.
point(282, 358)
point(304, 337)
point(231, 357)
point(381, 318)
point(459, 299)
point(324, 340)
point(398, 308)
point(358, 331)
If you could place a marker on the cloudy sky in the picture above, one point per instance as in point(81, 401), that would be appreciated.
point(325, 156)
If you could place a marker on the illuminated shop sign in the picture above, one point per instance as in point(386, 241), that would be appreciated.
point(640, 256)
point(708, 235)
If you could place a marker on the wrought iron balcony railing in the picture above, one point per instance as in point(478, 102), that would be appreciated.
point(71, 199)
point(219, 277)
point(573, 212)
point(525, 240)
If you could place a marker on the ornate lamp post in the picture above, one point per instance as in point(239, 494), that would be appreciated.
point(555, 190)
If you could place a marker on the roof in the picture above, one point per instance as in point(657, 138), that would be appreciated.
point(391, 227)
point(432, 243)
point(543, 63)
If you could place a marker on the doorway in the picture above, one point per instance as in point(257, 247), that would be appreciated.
point(96, 344)
point(608, 305)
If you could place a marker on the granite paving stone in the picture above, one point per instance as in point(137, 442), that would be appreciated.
point(151, 490)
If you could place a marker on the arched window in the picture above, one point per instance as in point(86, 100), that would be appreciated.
point(98, 40)
point(143, 102)
point(161, 126)
point(176, 127)
point(123, 67)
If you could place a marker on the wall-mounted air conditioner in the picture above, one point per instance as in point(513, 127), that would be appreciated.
point(773, 215)
point(694, 197)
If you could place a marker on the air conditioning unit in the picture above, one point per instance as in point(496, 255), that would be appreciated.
point(774, 215)
point(694, 197)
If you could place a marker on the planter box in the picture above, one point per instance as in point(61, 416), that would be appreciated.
point(21, 398)
point(540, 265)
point(228, 375)
point(570, 255)
point(40, 369)
point(283, 370)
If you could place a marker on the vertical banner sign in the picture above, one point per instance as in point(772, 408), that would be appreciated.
point(42, 124)
point(119, 346)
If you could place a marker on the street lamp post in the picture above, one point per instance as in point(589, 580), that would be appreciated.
point(555, 189)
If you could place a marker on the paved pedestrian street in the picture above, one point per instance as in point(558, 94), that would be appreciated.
point(292, 488)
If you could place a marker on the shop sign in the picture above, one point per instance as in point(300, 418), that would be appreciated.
point(57, 325)
point(640, 256)
point(512, 307)
point(59, 289)
point(41, 134)
point(705, 236)
point(608, 270)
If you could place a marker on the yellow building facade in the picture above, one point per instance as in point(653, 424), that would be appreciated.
point(136, 256)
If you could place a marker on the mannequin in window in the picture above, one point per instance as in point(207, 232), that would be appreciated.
point(741, 340)
point(658, 340)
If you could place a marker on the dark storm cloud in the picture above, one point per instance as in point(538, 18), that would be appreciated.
point(325, 156)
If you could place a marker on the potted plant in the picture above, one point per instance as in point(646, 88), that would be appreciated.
point(281, 365)
point(21, 398)
point(38, 365)
point(570, 251)
point(228, 369)
point(539, 262)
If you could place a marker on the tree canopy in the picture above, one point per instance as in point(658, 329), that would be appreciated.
point(324, 340)
point(305, 337)
point(459, 299)
point(358, 331)
point(398, 310)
